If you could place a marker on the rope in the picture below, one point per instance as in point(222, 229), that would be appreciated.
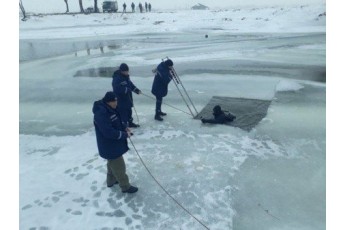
point(267, 212)
point(136, 114)
point(167, 104)
point(157, 182)
point(162, 103)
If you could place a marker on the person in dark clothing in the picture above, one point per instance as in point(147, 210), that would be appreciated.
point(140, 7)
point(112, 143)
point(146, 6)
point(219, 116)
point(123, 87)
point(133, 7)
point(149, 7)
point(124, 7)
point(160, 85)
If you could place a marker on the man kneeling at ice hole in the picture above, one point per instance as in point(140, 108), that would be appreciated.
point(219, 116)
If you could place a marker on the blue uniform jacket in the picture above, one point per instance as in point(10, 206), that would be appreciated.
point(161, 81)
point(123, 87)
point(110, 133)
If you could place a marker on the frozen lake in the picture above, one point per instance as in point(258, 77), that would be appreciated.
point(235, 56)
point(273, 177)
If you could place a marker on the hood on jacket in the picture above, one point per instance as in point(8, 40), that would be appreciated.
point(119, 73)
point(99, 106)
point(169, 62)
point(217, 110)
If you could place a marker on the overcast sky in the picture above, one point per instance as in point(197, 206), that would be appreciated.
point(60, 6)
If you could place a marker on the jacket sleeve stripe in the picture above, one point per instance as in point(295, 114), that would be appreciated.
point(120, 135)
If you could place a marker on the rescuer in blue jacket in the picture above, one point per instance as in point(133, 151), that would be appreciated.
point(111, 135)
point(160, 85)
point(123, 87)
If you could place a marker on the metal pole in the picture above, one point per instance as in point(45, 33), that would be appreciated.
point(183, 98)
point(174, 73)
point(176, 84)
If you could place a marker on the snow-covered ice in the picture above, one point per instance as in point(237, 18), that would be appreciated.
point(272, 177)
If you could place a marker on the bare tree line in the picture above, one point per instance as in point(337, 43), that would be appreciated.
point(23, 10)
point(95, 9)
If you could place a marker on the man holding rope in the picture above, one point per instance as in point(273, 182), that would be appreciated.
point(160, 85)
point(112, 143)
point(123, 87)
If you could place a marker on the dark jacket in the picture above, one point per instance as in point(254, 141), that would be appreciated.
point(161, 80)
point(110, 133)
point(123, 87)
point(219, 116)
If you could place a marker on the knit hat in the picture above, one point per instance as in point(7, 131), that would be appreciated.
point(124, 67)
point(109, 96)
point(169, 62)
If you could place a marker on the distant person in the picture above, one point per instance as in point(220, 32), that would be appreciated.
point(123, 87)
point(111, 136)
point(146, 6)
point(124, 7)
point(160, 85)
point(133, 7)
point(140, 7)
point(219, 116)
point(149, 7)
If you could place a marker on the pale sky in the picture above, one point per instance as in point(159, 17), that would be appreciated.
point(42, 6)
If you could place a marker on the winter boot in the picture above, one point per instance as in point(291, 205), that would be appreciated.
point(162, 114)
point(133, 125)
point(131, 189)
point(158, 118)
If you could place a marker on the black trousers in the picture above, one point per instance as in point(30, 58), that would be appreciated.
point(130, 118)
point(159, 101)
point(126, 115)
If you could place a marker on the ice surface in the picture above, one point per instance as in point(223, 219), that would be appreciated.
point(270, 178)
